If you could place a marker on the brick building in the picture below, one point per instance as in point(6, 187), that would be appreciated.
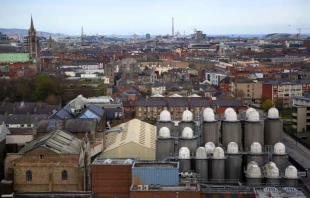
point(63, 158)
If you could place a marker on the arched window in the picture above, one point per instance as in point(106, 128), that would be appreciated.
point(64, 175)
point(29, 175)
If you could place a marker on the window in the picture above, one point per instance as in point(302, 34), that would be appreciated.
point(41, 156)
point(64, 175)
point(28, 175)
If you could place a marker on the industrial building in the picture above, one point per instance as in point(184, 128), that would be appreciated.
point(132, 139)
point(242, 153)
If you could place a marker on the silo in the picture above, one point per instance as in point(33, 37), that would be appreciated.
point(210, 131)
point(188, 140)
point(165, 121)
point(233, 162)
point(209, 146)
point(253, 130)
point(184, 159)
point(256, 154)
point(231, 130)
point(218, 164)
point(164, 144)
point(272, 175)
point(253, 175)
point(273, 127)
point(202, 163)
point(187, 121)
point(291, 177)
point(280, 157)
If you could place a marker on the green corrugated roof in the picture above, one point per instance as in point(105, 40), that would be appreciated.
point(14, 57)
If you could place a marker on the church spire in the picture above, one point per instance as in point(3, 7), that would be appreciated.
point(31, 25)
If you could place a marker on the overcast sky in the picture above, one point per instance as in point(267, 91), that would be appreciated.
point(122, 17)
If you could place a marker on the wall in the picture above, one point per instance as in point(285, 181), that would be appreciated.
point(111, 180)
point(163, 194)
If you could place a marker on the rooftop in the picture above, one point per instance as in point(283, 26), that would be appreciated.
point(14, 57)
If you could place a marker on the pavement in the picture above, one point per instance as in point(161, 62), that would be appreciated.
point(298, 152)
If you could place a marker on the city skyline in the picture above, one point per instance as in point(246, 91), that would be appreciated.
point(140, 17)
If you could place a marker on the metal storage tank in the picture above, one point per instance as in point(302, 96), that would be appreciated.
point(184, 159)
point(272, 175)
point(253, 130)
point(165, 121)
point(280, 157)
point(256, 154)
point(188, 140)
point(187, 121)
point(202, 163)
point(273, 127)
point(210, 131)
point(218, 164)
point(233, 162)
point(231, 130)
point(253, 175)
point(291, 176)
point(164, 144)
point(209, 146)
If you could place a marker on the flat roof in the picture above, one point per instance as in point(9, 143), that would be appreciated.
point(156, 165)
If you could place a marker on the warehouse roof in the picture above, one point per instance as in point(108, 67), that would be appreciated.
point(58, 141)
point(135, 131)
point(14, 57)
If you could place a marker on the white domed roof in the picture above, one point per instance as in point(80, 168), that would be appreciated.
point(208, 114)
point(209, 146)
point(270, 164)
point(273, 113)
point(187, 132)
point(254, 171)
point(256, 148)
point(279, 148)
point(201, 153)
point(291, 172)
point(165, 116)
point(187, 116)
point(250, 164)
point(272, 171)
point(231, 116)
point(248, 111)
point(218, 153)
point(164, 132)
point(253, 116)
point(232, 147)
point(228, 110)
point(184, 153)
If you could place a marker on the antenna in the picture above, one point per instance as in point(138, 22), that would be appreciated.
point(172, 27)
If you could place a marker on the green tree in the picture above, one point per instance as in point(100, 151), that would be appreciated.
point(45, 86)
point(267, 105)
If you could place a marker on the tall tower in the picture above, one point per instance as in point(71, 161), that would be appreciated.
point(32, 41)
point(172, 27)
point(82, 36)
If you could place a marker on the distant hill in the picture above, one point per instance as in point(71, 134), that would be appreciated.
point(24, 32)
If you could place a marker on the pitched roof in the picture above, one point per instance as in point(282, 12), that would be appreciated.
point(14, 57)
point(135, 131)
point(58, 141)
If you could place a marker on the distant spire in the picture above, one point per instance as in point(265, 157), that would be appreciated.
point(31, 25)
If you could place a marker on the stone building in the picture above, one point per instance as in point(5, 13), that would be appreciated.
point(55, 162)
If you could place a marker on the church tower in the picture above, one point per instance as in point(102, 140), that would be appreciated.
point(32, 41)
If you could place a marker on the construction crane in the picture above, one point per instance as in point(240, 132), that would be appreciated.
point(299, 31)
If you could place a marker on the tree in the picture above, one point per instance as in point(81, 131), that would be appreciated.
point(267, 105)
point(279, 104)
point(239, 93)
point(45, 86)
